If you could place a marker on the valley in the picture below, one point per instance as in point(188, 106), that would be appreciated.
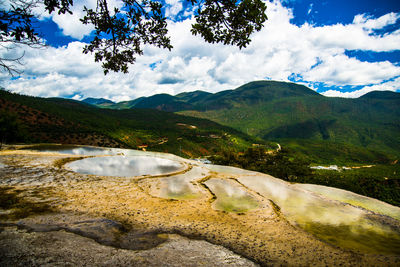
point(225, 127)
point(29, 119)
point(326, 130)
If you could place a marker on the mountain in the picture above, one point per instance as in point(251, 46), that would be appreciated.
point(284, 112)
point(99, 102)
point(126, 104)
point(34, 119)
point(297, 116)
point(381, 95)
point(163, 102)
point(324, 129)
point(249, 94)
point(253, 94)
point(191, 97)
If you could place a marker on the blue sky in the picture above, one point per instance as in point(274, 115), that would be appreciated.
point(338, 48)
point(340, 11)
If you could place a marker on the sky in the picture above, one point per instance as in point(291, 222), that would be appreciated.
point(340, 48)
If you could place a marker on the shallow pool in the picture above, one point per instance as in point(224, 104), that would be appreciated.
point(74, 150)
point(231, 197)
point(125, 166)
point(331, 220)
point(182, 186)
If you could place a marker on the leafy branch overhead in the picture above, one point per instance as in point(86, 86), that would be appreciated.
point(120, 34)
point(229, 22)
point(16, 29)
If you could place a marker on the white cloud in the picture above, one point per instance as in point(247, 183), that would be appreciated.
point(342, 70)
point(173, 7)
point(386, 86)
point(352, 37)
point(316, 54)
point(371, 23)
point(70, 24)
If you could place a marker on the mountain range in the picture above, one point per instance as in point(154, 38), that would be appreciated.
point(33, 119)
point(325, 130)
point(293, 115)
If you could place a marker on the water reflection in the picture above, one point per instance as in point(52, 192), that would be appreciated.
point(353, 199)
point(74, 150)
point(336, 222)
point(228, 169)
point(178, 188)
point(231, 196)
point(125, 166)
point(181, 187)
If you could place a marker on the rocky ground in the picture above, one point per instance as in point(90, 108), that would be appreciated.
point(55, 217)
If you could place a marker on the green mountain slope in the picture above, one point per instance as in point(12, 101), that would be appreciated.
point(381, 95)
point(191, 97)
point(67, 121)
point(97, 101)
point(126, 104)
point(252, 94)
point(163, 102)
point(284, 112)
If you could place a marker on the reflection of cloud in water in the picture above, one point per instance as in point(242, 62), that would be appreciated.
point(326, 218)
point(88, 151)
point(124, 166)
point(180, 186)
point(228, 169)
point(231, 196)
point(226, 188)
point(74, 150)
point(177, 186)
point(354, 199)
point(302, 206)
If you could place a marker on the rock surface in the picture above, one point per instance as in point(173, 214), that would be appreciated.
point(55, 217)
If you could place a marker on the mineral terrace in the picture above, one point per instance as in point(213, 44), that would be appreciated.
point(199, 215)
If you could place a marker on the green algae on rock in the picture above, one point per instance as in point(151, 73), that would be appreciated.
point(231, 197)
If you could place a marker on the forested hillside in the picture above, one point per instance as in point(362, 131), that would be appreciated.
point(34, 119)
point(313, 125)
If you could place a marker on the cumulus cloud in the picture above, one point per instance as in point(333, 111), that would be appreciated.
point(366, 22)
point(173, 7)
point(393, 85)
point(280, 51)
point(341, 70)
point(70, 24)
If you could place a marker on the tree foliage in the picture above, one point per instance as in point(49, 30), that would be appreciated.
point(229, 22)
point(279, 164)
point(11, 128)
point(120, 34)
point(16, 29)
